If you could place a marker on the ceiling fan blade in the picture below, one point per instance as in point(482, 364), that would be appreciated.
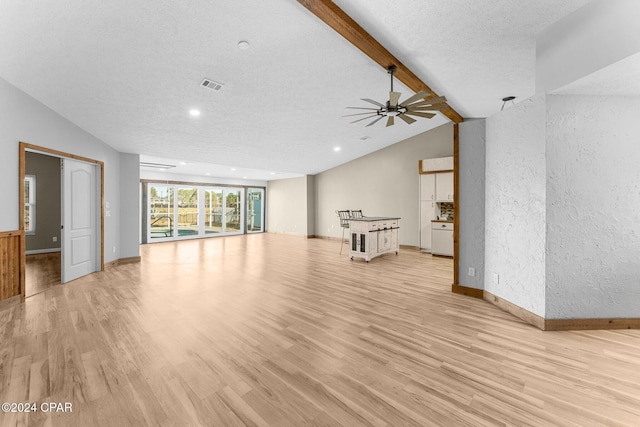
point(428, 101)
point(420, 114)
point(365, 118)
point(374, 122)
point(357, 114)
point(418, 96)
point(406, 118)
point(390, 121)
point(372, 102)
point(393, 98)
point(362, 108)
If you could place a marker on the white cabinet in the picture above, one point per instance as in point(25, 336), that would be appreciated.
point(428, 186)
point(427, 213)
point(444, 187)
point(436, 188)
point(442, 236)
point(370, 237)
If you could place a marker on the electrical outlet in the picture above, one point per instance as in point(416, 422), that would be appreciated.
point(496, 278)
point(472, 272)
point(55, 238)
point(114, 249)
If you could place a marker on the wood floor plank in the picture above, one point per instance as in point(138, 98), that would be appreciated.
point(274, 330)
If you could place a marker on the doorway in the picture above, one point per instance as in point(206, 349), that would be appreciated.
point(177, 211)
point(62, 254)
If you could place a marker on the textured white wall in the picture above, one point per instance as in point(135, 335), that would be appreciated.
point(23, 118)
point(383, 183)
point(287, 202)
point(471, 160)
point(593, 207)
point(515, 205)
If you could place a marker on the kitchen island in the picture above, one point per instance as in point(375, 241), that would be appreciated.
point(370, 237)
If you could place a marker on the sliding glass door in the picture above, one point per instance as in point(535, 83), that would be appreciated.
point(187, 212)
point(183, 212)
point(255, 210)
point(213, 211)
point(161, 212)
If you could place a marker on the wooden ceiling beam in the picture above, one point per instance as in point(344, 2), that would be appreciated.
point(337, 19)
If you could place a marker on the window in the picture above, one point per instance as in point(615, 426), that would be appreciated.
point(191, 211)
point(30, 204)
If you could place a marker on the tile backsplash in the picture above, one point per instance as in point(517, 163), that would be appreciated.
point(446, 209)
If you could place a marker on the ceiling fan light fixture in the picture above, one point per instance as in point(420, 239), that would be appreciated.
point(416, 105)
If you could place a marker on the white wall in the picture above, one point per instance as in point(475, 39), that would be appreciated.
point(598, 34)
point(129, 178)
point(515, 202)
point(311, 205)
point(593, 207)
point(160, 176)
point(23, 118)
point(287, 203)
point(471, 165)
point(383, 183)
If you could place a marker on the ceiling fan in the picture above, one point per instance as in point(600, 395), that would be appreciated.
point(418, 105)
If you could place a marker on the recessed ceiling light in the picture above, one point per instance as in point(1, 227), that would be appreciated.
point(233, 169)
point(336, 149)
point(272, 173)
point(208, 173)
point(194, 112)
point(183, 163)
point(244, 177)
point(364, 138)
point(243, 45)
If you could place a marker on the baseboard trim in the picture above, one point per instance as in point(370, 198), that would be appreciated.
point(519, 312)
point(587, 324)
point(304, 236)
point(465, 290)
point(410, 247)
point(42, 251)
point(10, 302)
point(122, 261)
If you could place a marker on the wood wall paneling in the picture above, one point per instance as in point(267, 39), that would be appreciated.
point(10, 253)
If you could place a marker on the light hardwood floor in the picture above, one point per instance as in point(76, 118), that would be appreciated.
point(273, 330)
point(42, 272)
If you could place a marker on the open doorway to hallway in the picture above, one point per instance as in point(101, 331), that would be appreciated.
point(62, 217)
point(42, 207)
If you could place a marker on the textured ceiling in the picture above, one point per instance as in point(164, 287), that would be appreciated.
point(129, 71)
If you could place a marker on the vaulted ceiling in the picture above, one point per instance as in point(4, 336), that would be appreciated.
point(129, 72)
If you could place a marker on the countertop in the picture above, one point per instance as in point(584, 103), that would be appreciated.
point(374, 218)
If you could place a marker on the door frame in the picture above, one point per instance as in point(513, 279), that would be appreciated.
point(24, 146)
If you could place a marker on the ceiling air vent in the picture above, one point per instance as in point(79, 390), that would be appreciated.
point(211, 84)
point(156, 165)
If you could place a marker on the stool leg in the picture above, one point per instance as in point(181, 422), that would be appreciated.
point(342, 241)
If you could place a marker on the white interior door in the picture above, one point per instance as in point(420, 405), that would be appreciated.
point(78, 219)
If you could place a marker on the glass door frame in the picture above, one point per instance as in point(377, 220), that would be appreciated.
point(263, 192)
point(226, 189)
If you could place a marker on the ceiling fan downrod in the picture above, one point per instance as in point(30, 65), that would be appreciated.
point(391, 70)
